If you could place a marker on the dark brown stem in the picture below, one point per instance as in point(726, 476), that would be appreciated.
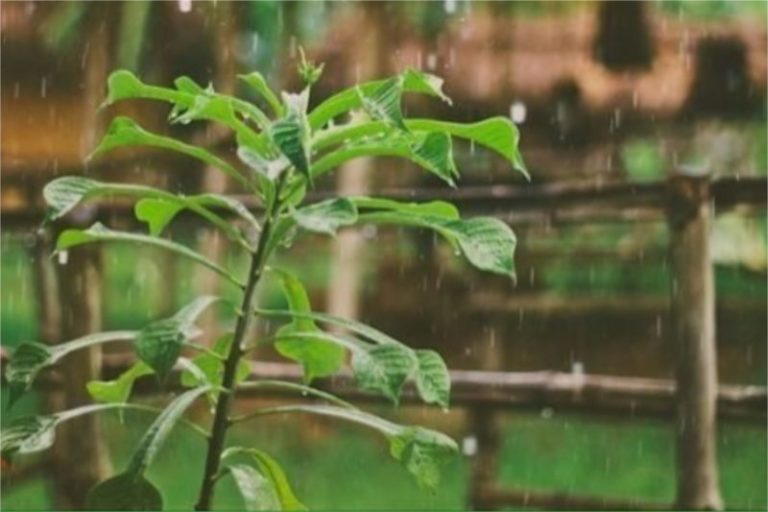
point(224, 403)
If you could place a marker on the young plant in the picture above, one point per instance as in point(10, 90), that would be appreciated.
point(282, 149)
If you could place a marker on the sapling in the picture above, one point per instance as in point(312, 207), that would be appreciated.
point(282, 148)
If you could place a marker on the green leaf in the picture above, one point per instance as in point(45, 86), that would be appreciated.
point(435, 153)
point(124, 492)
point(487, 243)
point(63, 194)
point(157, 213)
point(256, 81)
point(119, 389)
point(291, 134)
point(122, 85)
point(417, 81)
point(27, 361)
point(124, 131)
point(159, 207)
point(29, 358)
point(326, 217)
point(189, 96)
point(383, 102)
point(348, 99)
point(384, 368)
point(432, 379)
point(432, 208)
point(430, 150)
point(317, 351)
point(258, 493)
point(498, 134)
point(422, 452)
point(351, 325)
point(100, 233)
point(271, 470)
point(157, 433)
point(27, 435)
point(318, 357)
point(34, 434)
point(160, 343)
point(212, 367)
point(207, 106)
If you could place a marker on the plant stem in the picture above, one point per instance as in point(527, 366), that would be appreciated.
point(224, 403)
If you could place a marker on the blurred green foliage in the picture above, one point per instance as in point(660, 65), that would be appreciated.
point(643, 160)
point(712, 9)
point(558, 453)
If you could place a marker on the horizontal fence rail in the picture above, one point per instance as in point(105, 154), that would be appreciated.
point(566, 392)
point(567, 202)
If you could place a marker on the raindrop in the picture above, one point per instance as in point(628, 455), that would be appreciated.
point(63, 257)
point(547, 413)
point(185, 5)
point(577, 368)
point(369, 231)
point(43, 87)
point(658, 326)
point(431, 61)
point(469, 446)
point(450, 6)
point(517, 112)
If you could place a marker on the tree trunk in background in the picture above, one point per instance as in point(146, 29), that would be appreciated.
point(343, 296)
point(79, 459)
point(693, 310)
point(210, 242)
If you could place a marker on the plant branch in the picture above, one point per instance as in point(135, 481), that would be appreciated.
point(300, 388)
point(224, 403)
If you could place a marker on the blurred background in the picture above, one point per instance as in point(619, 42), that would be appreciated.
point(611, 99)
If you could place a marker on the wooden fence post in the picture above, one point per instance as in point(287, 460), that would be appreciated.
point(79, 458)
point(693, 317)
point(483, 425)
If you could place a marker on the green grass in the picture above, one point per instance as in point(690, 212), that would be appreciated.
point(339, 467)
point(625, 460)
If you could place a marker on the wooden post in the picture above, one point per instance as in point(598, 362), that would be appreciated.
point(210, 242)
point(486, 435)
point(693, 316)
point(353, 178)
point(79, 458)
